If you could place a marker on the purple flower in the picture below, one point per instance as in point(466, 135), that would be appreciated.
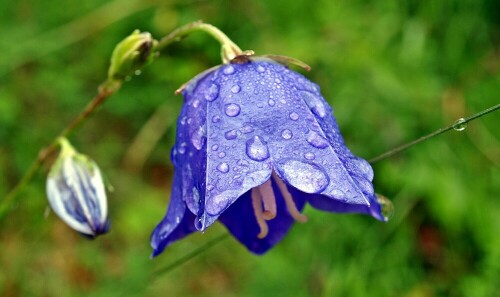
point(255, 142)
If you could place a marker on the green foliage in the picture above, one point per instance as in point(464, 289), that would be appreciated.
point(393, 70)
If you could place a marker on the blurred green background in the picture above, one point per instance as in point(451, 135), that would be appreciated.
point(393, 70)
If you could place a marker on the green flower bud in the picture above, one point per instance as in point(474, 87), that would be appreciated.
point(131, 54)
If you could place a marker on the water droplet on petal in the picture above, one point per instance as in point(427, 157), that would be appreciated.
point(306, 177)
point(294, 116)
point(315, 103)
point(198, 138)
point(261, 69)
point(365, 185)
point(183, 120)
point(338, 194)
point(316, 140)
point(460, 124)
point(210, 187)
point(196, 103)
point(219, 202)
point(243, 163)
point(286, 134)
point(215, 147)
point(229, 70)
point(232, 109)
point(247, 129)
point(386, 206)
point(198, 224)
point(215, 119)
point(309, 156)
point(223, 167)
point(271, 102)
point(212, 93)
point(182, 148)
point(364, 167)
point(222, 154)
point(235, 89)
point(231, 134)
point(256, 149)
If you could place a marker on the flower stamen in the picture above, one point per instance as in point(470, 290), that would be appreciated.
point(290, 204)
point(268, 200)
point(259, 215)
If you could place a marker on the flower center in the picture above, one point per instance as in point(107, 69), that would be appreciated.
point(264, 204)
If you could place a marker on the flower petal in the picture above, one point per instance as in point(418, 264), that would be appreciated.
point(237, 156)
point(326, 203)
point(303, 138)
point(240, 220)
point(178, 223)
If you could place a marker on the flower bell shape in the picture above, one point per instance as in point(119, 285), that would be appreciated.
point(256, 141)
point(75, 191)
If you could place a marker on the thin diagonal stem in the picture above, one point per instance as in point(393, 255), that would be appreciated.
point(386, 155)
point(107, 89)
point(403, 147)
point(190, 255)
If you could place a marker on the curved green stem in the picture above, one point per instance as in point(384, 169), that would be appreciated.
point(229, 49)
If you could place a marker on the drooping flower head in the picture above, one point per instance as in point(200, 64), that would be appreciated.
point(256, 141)
point(75, 191)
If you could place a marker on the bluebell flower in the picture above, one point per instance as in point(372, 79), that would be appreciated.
point(76, 193)
point(256, 141)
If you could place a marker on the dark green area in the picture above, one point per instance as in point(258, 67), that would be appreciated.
point(393, 71)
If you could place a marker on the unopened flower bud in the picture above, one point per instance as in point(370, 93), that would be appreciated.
point(131, 54)
point(75, 191)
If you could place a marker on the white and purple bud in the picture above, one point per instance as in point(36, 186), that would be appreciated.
point(76, 193)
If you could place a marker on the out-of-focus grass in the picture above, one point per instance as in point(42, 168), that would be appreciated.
point(393, 70)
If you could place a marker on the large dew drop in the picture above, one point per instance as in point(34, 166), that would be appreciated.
point(231, 134)
point(364, 167)
point(308, 178)
point(219, 202)
point(229, 69)
point(316, 140)
point(212, 93)
point(256, 149)
point(315, 103)
point(235, 89)
point(232, 109)
point(286, 134)
point(198, 138)
point(223, 167)
point(460, 124)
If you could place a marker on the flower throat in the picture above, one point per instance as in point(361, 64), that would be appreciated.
point(264, 204)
